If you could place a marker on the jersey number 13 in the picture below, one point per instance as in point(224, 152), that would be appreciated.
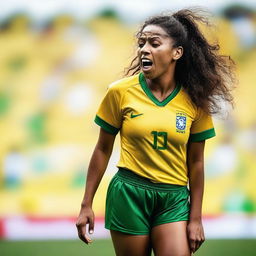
point(160, 140)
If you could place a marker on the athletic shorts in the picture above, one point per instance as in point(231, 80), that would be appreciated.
point(134, 204)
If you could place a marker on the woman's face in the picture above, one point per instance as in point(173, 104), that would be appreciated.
point(156, 52)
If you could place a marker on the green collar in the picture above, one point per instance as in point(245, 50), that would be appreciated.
point(148, 92)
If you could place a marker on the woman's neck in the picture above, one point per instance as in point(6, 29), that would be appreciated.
point(162, 86)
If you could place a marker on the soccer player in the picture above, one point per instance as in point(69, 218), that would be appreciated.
point(163, 113)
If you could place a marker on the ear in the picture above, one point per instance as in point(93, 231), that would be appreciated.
point(177, 52)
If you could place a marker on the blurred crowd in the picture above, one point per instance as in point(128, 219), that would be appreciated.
point(52, 78)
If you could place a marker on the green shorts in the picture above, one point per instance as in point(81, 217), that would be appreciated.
point(135, 204)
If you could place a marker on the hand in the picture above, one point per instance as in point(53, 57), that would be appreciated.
point(85, 217)
point(195, 235)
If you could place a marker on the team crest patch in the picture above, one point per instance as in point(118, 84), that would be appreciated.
point(181, 121)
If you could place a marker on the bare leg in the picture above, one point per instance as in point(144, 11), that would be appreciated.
point(170, 239)
point(130, 245)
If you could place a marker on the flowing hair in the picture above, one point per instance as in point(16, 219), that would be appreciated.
point(207, 76)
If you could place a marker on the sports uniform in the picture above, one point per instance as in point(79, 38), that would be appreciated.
point(154, 137)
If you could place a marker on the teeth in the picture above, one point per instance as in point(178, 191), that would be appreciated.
point(146, 62)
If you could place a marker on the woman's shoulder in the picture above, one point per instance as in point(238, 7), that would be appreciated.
point(187, 103)
point(124, 83)
point(185, 97)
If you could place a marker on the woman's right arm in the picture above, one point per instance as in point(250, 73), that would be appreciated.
point(97, 167)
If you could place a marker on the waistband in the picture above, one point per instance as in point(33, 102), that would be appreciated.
point(137, 180)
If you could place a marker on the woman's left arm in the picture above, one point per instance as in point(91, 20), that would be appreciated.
point(195, 162)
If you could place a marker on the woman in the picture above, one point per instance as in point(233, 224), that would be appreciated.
point(163, 114)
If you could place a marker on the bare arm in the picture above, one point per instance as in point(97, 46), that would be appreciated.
point(97, 167)
point(195, 156)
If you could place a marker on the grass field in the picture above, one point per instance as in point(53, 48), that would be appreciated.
point(105, 248)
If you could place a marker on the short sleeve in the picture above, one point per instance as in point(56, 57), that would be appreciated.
point(202, 127)
point(109, 115)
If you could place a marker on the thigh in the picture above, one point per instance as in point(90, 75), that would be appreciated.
point(170, 239)
point(130, 245)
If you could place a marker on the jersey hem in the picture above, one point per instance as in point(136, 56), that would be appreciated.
point(176, 182)
point(207, 134)
point(106, 126)
point(134, 179)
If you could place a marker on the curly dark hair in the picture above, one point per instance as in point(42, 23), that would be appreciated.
point(207, 76)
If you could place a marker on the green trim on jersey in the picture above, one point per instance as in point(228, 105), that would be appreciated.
point(148, 92)
point(202, 135)
point(107, 127)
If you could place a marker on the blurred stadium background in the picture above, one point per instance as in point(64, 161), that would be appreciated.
point(57, 59)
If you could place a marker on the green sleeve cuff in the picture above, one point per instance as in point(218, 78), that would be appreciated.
point(106, 126)
point(202, 135)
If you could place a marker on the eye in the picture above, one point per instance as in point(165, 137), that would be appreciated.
point(140, 44)
point(155, 43)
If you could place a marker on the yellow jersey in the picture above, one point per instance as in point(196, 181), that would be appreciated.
point(154, 135)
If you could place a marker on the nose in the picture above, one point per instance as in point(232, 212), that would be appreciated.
point(145, 48)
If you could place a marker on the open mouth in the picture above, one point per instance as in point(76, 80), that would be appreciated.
point(146, 63)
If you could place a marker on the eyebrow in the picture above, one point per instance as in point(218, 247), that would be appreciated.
point(153, 35)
